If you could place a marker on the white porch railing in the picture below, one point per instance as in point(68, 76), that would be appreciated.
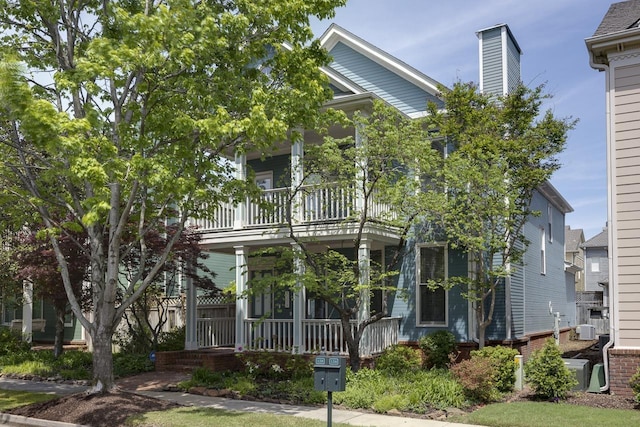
point(317, 335)
point(218, 332)
point(318, 204)
point(383, 334)
point(268, 334)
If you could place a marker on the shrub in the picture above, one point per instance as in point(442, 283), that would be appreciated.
point(504, 364)
point(274, 366)
point(435, 388)
point(397, 359)
point(547, 374)
point(11, 342)
point(74, 364)
point(436, 348)
point(634, 382)
point(172, 340)
point(125, 364)
point(477, 377)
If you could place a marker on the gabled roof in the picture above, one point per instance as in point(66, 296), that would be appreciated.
point(573, 239)
point(620, 17)
point(600, 240)
point(336, 33)
point(390, 79)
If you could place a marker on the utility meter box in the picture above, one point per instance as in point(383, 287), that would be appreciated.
point(330, 373)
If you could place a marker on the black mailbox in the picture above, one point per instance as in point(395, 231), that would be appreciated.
point(330, 373)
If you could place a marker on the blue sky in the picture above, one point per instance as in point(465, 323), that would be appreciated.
point(438, 38)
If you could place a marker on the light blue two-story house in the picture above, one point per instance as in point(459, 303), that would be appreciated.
point(539, 295)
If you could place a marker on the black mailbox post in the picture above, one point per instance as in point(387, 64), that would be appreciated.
point(329, 374)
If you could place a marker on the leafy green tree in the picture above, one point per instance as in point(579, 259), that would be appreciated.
point(115, 111)
point(374, 176)
point(500, 150)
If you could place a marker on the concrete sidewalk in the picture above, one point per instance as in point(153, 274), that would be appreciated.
point(338, 416)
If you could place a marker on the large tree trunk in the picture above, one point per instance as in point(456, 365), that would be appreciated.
point(353, 344)
point(103, 380)
point(58, 343)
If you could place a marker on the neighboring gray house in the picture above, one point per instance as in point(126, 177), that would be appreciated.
point(593, 302)
point(596, 256)
point(574, 255)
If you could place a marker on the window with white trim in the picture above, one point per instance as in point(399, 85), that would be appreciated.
point(543, 252)
point(431, 303)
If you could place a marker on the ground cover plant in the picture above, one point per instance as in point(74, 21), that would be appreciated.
point(10, 399)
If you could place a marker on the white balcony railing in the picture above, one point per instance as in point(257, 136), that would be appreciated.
point(317, 204)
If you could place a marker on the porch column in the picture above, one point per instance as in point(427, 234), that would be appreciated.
point(297, 176)
point(191, 314)
point(241, 300)
point(360, 174)
point(298, 304)
point(241, 208)
point(364, 312)
point(27, 311)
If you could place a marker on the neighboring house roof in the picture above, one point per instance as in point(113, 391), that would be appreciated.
point(554, 196)
point(600, 240)
point(358, 66)
point(620, 16)
point(573, 239)
point(619, 25)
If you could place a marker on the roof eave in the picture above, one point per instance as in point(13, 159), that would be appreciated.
point(554, 196)
point(600, 46)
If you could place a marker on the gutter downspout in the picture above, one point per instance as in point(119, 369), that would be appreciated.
point(613, 285)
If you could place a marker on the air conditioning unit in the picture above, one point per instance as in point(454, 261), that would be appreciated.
point(580, 368)
point(586, 332)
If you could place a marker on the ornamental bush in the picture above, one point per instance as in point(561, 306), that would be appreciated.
point(634, 382)
point(398, 359)
point(547, 374)
point(476, 377)
point(504, 364)
point(437, 347)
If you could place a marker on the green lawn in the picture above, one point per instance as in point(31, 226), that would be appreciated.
point(206, 417)
point(542, 414)
point(12, 399)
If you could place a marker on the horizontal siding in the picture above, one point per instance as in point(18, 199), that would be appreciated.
point(627, 195)
point(373, 77)
point(540, 289)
